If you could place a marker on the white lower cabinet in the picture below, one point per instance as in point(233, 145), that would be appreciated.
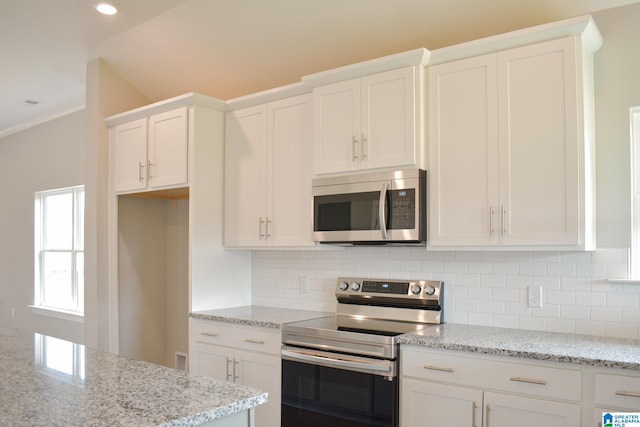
point(615, 392)
point(461, 389)
point(245, 355)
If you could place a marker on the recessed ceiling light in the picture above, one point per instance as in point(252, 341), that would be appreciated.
point(106, 8)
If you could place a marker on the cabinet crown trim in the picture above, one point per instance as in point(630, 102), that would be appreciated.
point(414, 57)
point(185, 100)
point(582, 26)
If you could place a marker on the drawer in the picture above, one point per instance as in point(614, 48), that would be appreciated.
point(617, 391)
point(238, 337)
point(492, 373)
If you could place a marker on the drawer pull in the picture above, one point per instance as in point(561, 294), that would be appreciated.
point(208, 334)
point(528, 380)
point(252, 341)
point(437, 368)
point(628, 393)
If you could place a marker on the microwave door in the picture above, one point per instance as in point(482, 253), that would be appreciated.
point(350, 212)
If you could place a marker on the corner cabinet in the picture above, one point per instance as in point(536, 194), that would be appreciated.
point(369, 122)
point(451, 388)
point(268, 175)
point(244, 355)
point(511, 150)
point(151, 152)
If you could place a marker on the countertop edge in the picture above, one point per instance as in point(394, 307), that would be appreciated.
point(219, 412)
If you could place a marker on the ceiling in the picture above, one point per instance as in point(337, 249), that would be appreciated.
point(228, 48)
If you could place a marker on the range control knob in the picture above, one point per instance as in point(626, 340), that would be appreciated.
point(355, 286)
point(429, 290)
point(415, 289)
point(344, 286)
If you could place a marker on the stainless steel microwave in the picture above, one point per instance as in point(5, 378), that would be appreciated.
point(373, 208)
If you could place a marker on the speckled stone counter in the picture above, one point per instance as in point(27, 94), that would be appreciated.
point(557, 347)
point(49, 382)
point(255, 315)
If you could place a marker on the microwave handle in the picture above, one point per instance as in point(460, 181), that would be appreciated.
point(382, 211)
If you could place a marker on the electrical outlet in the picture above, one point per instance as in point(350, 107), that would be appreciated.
point(13, 312)
point(535, 296)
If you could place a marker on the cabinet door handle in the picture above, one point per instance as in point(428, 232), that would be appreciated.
point(486, 419)
point(267, 223)
point(528, 380)
point(236, 373)
point(628, 393)
point(209, 334)
point(229, 370)
point(354, 148)
point(438, 368)
point(149, 165)
point(140, 168)
point(260, 226)
point(254, 341)
point(474, 408)
point(490, 221)
point(503, 226)
point(364, 148)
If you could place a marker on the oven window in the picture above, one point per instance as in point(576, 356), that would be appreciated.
point(317, 396)
point(344, 212)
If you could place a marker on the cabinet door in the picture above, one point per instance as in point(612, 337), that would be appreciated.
point(263, 372)
point(130, 156)
point(463, 178)
point(336, 127)
point(425, 404)
point(289, 177)
point(502, 410)
point(539, 151)
point(168, 148)
point(211, 361)
point(245, 172)
point(389, 131)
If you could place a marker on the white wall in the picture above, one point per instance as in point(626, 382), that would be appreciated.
point(107, 94)
point(40, 158)
point(488, 288)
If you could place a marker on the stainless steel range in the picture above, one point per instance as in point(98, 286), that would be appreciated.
point(342, 371)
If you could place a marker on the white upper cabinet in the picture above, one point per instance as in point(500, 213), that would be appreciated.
point(368, 122)
point(151, 153)
point(168, 148)
point(129, 143)
point(511, 148)
point(268, 175)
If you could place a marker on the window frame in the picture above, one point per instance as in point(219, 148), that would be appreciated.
point(75, 309)
point(634, 250)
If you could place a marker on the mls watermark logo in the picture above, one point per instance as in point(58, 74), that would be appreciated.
point(621, 419)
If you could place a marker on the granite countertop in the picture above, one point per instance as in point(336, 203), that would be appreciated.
point(256, 315)
point(551, 346)
point(47, 381)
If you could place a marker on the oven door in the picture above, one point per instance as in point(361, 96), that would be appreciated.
point(322, 389)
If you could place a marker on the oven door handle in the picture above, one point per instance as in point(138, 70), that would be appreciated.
point(342, 363)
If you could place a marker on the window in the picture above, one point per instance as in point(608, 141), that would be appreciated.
point(59, 250)
point(634, 258)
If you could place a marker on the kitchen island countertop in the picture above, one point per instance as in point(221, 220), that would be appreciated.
point(45, 381)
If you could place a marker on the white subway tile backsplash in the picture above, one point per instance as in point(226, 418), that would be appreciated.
point(484, 288)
